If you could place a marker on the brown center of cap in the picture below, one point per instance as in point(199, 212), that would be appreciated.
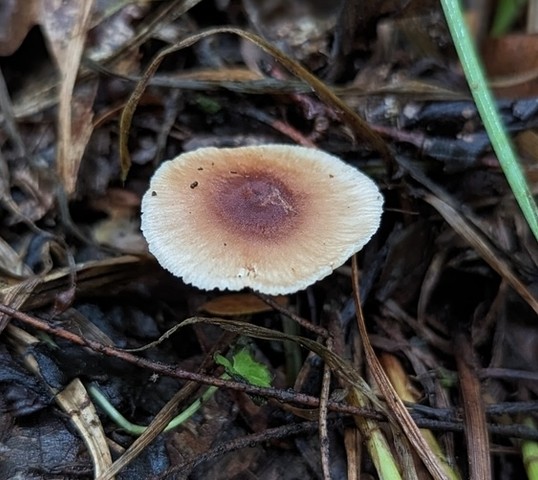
point(255, 205)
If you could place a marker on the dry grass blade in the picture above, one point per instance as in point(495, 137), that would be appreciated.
point(11, 262)
point(401, 414)
point(353, 453)
point(400, 380)
point(476, 432)
point(359, 126)
point(90, 277)
point(482, 245)
point(16, 296)
point(374, 439)
point(75, 401)
point(467, 228)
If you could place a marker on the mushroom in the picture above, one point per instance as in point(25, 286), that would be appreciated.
point(274, 218)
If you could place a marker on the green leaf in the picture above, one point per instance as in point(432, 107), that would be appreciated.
point(220, 360)
point(244, 367)
point(506, 14)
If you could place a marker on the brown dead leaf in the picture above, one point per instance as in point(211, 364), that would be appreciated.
point(11, 262)
point(121, 229)
point(512, 64)
point(38, 185)
point(65, 25)
point(527, 144)
point(299, 27)
point(16, 19)
point(93, 276)
point(239, 304)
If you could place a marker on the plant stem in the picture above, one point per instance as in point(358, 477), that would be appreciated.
point(487, 109)
point(134, 429)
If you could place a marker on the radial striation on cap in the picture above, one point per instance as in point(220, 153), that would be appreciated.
point(274, 218)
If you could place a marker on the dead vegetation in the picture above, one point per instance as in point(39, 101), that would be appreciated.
point(434, 377)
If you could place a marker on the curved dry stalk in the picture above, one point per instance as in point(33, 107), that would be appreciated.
point(401, 415)
point(359, 126)
point(476, 432)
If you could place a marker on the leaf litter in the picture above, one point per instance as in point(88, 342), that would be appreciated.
point(448, 285)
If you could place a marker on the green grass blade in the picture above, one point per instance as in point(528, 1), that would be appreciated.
point(529, 450)
point(488, 112)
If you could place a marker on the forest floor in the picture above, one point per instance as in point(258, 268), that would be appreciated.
point(263, 387)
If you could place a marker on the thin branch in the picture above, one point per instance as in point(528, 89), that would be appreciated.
point(324, 445)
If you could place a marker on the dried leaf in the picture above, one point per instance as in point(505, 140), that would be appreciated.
point(512, 64)
point(16, 19)
point(11, 262)
point(91, 276)
point(75, 401)
point(65, 27)
point(239, 304)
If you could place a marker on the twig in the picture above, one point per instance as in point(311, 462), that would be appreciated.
point(508, 374)
point(162, 418)
point(296, 318)
point(324, 445)
point(244, 442)
point(284, 396)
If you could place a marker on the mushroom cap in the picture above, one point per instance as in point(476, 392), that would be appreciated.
point(275, 218)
